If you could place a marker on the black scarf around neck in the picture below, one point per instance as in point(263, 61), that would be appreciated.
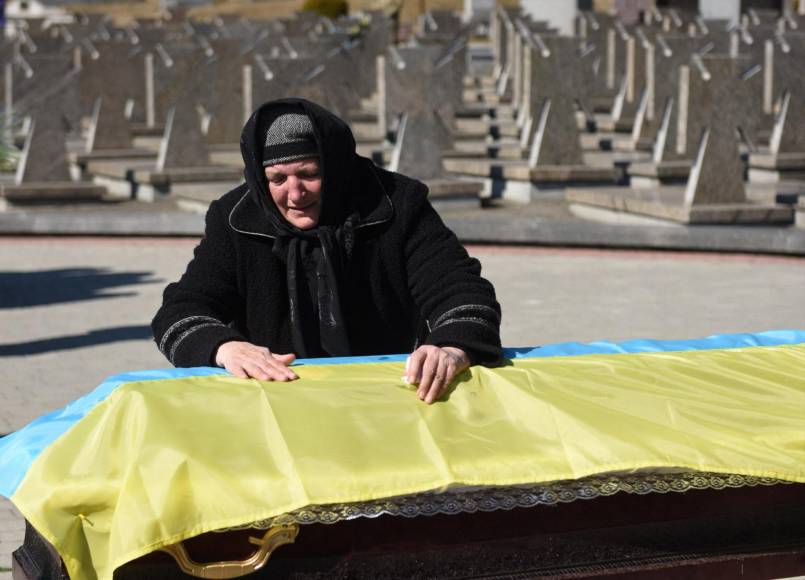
point(329, 248)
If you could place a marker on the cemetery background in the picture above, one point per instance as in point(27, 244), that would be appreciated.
point(674, 133)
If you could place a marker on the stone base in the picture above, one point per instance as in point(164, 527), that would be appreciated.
point(522, 171)
point(56, 191)
point(363, 116)
point(122, 155)
point(602, 103)
point(379, 152)
point(769, 168)
point(367, 132)
point(484, 149)
point(650, 175)
point(452, 193)
point(610, 125)
point(143, 130)
point(116, 176)
point(668, 203)
point(146, 184)
point(783, 192)
point(198, 191)
point(481, 126)
point(226, 154)
point(475, 111)
point(644, 144)
point(120, 169)
point(151, 143)
point(622, 159)
point(149, 184)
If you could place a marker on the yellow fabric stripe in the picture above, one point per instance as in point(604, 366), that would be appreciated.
point(161, 461)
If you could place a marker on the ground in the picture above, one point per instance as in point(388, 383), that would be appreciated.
point(75, 310)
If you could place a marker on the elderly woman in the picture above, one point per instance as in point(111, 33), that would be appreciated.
point(320, 253)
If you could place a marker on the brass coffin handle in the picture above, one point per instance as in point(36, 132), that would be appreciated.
point(271, 540)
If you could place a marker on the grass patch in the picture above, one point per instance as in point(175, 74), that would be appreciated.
point(3, 569)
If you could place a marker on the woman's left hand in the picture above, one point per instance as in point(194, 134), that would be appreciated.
point(433, 368)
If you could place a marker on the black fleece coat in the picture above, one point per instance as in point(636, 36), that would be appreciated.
point(408, 280)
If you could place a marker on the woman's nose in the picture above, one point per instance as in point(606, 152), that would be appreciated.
point(295, 187)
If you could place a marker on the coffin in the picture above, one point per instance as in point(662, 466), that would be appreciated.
point(640, 459)
point(684, 525)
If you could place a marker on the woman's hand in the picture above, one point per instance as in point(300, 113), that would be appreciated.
point(433, 368)
point(244, 360)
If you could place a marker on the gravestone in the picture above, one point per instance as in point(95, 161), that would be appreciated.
point(551, 134)
point(408, 82)
point(38, 77)
point(785, 159)
point(439, 26)
point(176, 78)
point(124, 63)
point(44, 157)
point(328, 83)
point(275, 78)
point(183, 144)
point(43, 172)
point(109, 128)
point(183, 167)
point(223, 99)
point(663, 59)
point(421, 137)
point(715, 191)
point(375, 36)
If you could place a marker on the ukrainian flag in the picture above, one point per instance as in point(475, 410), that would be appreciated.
point(152, 458)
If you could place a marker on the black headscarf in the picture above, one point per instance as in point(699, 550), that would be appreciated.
point(316, 259)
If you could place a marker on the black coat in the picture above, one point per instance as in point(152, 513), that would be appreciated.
point(408, 281)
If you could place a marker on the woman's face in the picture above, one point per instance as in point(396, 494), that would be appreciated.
point(295, 188)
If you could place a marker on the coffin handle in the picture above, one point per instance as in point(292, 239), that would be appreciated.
point(271, 540)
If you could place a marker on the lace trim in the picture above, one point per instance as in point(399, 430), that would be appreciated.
point(470, 500)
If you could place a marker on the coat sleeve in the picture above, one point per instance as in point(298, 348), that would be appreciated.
point(458, 305)
point(198, 311)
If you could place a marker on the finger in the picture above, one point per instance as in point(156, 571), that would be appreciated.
point(440, 380)
point(285, 358)
point(237, 370)
point(428, 374)
point(256, 370)
point(278, 370)
point(413, 371)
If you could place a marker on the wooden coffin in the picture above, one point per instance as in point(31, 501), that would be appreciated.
point(629, 526)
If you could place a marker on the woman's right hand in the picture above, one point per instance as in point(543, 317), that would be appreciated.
point(245, 360)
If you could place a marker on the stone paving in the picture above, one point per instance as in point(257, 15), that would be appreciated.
point(75, 310)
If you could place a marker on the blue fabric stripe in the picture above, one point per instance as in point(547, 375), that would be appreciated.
point(717, 341)
point(714, 342)
point(19, 450)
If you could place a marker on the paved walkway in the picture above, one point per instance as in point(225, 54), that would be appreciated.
point(75, 310)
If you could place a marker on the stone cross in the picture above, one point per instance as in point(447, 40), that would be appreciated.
point(183, 143)
point(223, 99)
point(553, 132)
point(44, 156)
point(717, 172)
point(788, 74)
point(421, 138)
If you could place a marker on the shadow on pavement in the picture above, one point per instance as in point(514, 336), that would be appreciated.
point(38, 288)
point(92, 338)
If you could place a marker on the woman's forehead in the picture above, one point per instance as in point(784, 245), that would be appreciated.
point(294, 166)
